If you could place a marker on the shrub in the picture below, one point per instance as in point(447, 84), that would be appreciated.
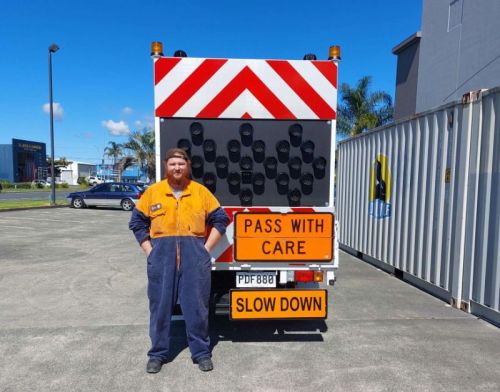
point(83, 182)
point(6, 184)
point(23, 185)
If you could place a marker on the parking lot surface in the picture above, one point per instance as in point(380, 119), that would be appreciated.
point(74, 317)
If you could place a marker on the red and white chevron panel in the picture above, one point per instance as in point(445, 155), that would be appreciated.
point(223, 252)
point(236, 88)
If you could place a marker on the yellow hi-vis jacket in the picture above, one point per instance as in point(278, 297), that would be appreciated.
point(160, 214)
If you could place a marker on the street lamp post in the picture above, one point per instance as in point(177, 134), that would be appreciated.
point(52, 49)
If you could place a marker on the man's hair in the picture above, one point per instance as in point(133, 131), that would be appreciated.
point(177, 153)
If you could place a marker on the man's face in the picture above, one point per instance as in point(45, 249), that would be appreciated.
point(177, 170)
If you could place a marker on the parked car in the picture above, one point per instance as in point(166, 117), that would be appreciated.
point(40, 184)
point(94, 180)
point(58, 181)
point(110, 194)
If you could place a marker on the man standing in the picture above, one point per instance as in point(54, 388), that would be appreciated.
point(170, 223)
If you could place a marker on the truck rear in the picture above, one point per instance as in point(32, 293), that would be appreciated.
point(261, 137)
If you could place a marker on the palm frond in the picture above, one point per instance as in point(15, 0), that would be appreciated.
point(361, 110)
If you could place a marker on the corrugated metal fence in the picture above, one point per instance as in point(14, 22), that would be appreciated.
point(420, 198)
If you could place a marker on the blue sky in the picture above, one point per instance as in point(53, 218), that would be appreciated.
point(102, 75)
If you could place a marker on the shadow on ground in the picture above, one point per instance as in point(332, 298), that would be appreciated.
point(223, 329)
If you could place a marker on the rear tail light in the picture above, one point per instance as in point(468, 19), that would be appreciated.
point(139, 195)
point(304, 276)
point(309, 276)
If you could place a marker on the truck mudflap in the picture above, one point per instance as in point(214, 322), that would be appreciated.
point(283, 304)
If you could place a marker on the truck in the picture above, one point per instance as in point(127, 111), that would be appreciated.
point(261, 137)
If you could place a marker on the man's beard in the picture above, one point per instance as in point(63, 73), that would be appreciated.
point(177, 182)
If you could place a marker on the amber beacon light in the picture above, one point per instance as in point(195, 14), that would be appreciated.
point(334, 53)
point(156, 49)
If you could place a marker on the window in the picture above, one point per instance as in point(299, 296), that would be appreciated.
point(455, 14)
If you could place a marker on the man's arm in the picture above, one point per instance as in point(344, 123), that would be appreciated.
point(213, 239)
point(139, 224)
point(219, 220)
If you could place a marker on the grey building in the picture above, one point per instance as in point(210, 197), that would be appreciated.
point(458, 50)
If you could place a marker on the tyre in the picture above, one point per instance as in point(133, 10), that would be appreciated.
point(77, 202)
point(127, 205)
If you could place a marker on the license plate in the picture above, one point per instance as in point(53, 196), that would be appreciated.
point(256, 279)
point(278, 304)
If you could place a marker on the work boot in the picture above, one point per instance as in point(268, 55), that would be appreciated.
point(154, 365)
point(205, 364)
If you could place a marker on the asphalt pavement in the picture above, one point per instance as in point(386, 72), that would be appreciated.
point(74, 317)
point(36, 195)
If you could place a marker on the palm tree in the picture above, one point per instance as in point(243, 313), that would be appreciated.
point(115, 150)
point(125, 163)
point(361, 110)
point(142, 146)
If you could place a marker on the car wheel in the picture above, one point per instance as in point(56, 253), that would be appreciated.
point(127, 205)
point(77, 202)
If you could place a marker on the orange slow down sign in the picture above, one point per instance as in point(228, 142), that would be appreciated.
point(278, 304)
point(283, 237)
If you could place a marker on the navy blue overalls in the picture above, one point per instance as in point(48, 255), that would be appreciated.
point(179, 266)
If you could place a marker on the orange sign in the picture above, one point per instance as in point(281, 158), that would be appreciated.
point(278, 304)
point(283, 237)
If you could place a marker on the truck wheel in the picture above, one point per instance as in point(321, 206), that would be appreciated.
point(127, 205)
point(77, 202)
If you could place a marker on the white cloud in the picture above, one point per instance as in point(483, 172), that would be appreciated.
point(143, 124)
point(57, 109)
point(127, 110)
point(119, 128)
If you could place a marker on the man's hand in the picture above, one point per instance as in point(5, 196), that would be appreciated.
point(146, 247)
point(212, 240)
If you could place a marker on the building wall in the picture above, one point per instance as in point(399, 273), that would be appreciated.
point(67, 177)
point(133, 173)
point(406, 80)
point(29, 160)
point(459, 50)
point(72, 172)
point(6, 165)
point(130, 174)
point(85, 169)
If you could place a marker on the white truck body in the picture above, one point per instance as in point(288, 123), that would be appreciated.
point(247, 102)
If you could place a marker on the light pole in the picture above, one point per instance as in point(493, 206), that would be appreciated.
point(52, 49)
